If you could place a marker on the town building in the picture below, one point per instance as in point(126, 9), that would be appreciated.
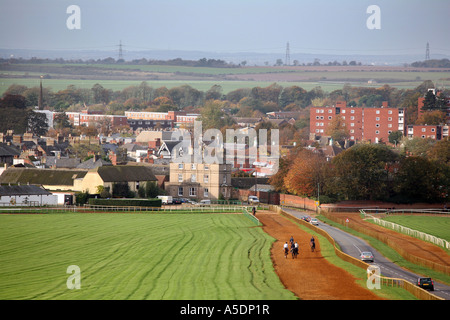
point(199, 181)
point(368, 124)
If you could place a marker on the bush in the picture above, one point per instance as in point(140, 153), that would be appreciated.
point(126, 202)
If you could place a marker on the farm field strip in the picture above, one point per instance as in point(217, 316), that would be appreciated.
point(137, 256)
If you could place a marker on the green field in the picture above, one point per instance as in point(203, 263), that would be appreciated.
point(137, 256)
point(202, 85)
point(438, 226)
point(117, 77)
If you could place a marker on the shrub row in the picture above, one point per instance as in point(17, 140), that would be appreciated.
point(126, 202)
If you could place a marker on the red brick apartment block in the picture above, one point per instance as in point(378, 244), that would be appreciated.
point(370, 124)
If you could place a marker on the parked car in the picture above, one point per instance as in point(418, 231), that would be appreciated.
point(253, 199)
point(367, 256)
point(307, 218)
point(314, 221)
point(426, 283)
point(176, 201)
point(204, 203)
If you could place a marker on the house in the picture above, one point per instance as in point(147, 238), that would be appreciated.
point(247, 122)
point(26, 195)
point(200, 181)
point(94, 162)
point(135, 176)
point(7, 153)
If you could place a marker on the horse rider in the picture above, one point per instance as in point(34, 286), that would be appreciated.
point(286, 248)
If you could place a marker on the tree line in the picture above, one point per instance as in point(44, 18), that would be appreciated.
point(369, 172)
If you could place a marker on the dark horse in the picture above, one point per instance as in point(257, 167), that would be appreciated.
point(294, 252)
point(313, 245)
point(286, 252)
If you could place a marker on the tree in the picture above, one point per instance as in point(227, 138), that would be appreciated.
point(421, 180)
point(337, 130)
point(36, 123)
point(395, 137)
point(362, 172)
point(306, 174)
point(212, 116)
point(429, 103)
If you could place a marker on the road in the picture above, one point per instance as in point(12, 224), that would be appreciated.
point(353, 246)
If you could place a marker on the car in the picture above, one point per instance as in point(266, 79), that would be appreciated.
point(253, 199)
point(367, 256)
point(307, 218)
point(314, 221)
point(204, 203)
point(425, 283)
point(176, 201)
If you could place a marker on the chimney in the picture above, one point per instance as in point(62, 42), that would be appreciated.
point(385, 104)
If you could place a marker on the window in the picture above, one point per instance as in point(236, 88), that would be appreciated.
point(433, 130)
point(330, 117)
point(389, 118)
point(180, 166)
point(423, 129)
point(206, 178)
point(224, 180)
point(377, 118)
point(192, 192)
point(193, 178)
point(206, 192)
point(180, 177)
point(180, 191)
point(206, 167)
point(193, 166)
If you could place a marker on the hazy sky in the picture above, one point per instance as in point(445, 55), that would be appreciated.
point(318, 26)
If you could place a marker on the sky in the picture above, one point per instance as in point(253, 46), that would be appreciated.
point(263, 26)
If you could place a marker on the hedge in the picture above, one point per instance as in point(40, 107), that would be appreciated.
point(126, 202)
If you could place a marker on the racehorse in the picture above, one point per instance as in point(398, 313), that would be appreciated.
point(286, 252)
point(313, 245)
point(294, 251)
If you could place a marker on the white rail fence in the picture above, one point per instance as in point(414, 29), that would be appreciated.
point(408, 231)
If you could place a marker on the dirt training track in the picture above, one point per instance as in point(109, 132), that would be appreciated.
point(310, 276)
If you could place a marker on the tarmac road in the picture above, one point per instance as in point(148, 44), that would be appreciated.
point(353, 246)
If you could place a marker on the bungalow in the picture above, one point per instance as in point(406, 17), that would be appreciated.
point(25, 195)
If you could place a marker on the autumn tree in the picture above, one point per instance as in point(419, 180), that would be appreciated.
point(306, 174)
point(337, 130)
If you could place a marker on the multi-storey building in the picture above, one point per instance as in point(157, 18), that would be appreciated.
point(199, 181)
point(171, 119)
point(87, 117)
point(362, 123)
